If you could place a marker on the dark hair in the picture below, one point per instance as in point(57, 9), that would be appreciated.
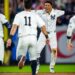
point(27, 4)
point(48, 1)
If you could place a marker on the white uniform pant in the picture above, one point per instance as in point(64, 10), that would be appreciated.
point(27, 43)
point(1, 49)
point(42, 42)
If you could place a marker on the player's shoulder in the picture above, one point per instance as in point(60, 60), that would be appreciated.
point(53, 12)
point(26, 12)
point(54, 9)
point(38, 11)
point(42, 11)
point(73, 17)
point(2, 15)
point(33, 12)
point(20, 13)
point(57, 10)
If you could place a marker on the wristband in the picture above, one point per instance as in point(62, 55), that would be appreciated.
point(68, 37)
point(46, 36)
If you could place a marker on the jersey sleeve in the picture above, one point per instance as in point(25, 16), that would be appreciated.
point(3, 19)
point(71, 27)
point(59, 13)
point(16, 20)
point(40, 21)
point(39, 12)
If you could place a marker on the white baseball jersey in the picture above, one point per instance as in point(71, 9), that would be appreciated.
point(50, 19)
point(28, 22)
point(3, 20)
point(71, 26)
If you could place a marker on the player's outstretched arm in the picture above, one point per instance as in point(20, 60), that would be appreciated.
point(61, 12)
point(13, 29)
point(12, 32)
point(43, 29)
point(69, 34)
point(70, 29)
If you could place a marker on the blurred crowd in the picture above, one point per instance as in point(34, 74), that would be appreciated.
point(67, 5)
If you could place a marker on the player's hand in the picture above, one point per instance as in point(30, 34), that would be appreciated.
point(47, 41)
point(69, 46)
point(9, 41)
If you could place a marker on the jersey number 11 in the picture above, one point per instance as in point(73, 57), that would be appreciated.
point(27, 21)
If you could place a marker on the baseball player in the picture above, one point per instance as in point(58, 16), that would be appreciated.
point(3, 21)
point(49, 15)
point(27, 33)
point(70, 29)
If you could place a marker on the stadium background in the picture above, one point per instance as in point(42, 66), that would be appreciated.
point(65, 59)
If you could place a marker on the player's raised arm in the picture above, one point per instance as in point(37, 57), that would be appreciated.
point(59, 12)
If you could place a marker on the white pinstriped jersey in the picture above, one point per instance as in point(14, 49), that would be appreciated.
point(50, 19)
point(28, 22)
point(71, 26)
point(2, 21)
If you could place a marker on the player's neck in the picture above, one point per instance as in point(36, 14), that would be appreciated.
point(28, 10)
point(50, 9)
